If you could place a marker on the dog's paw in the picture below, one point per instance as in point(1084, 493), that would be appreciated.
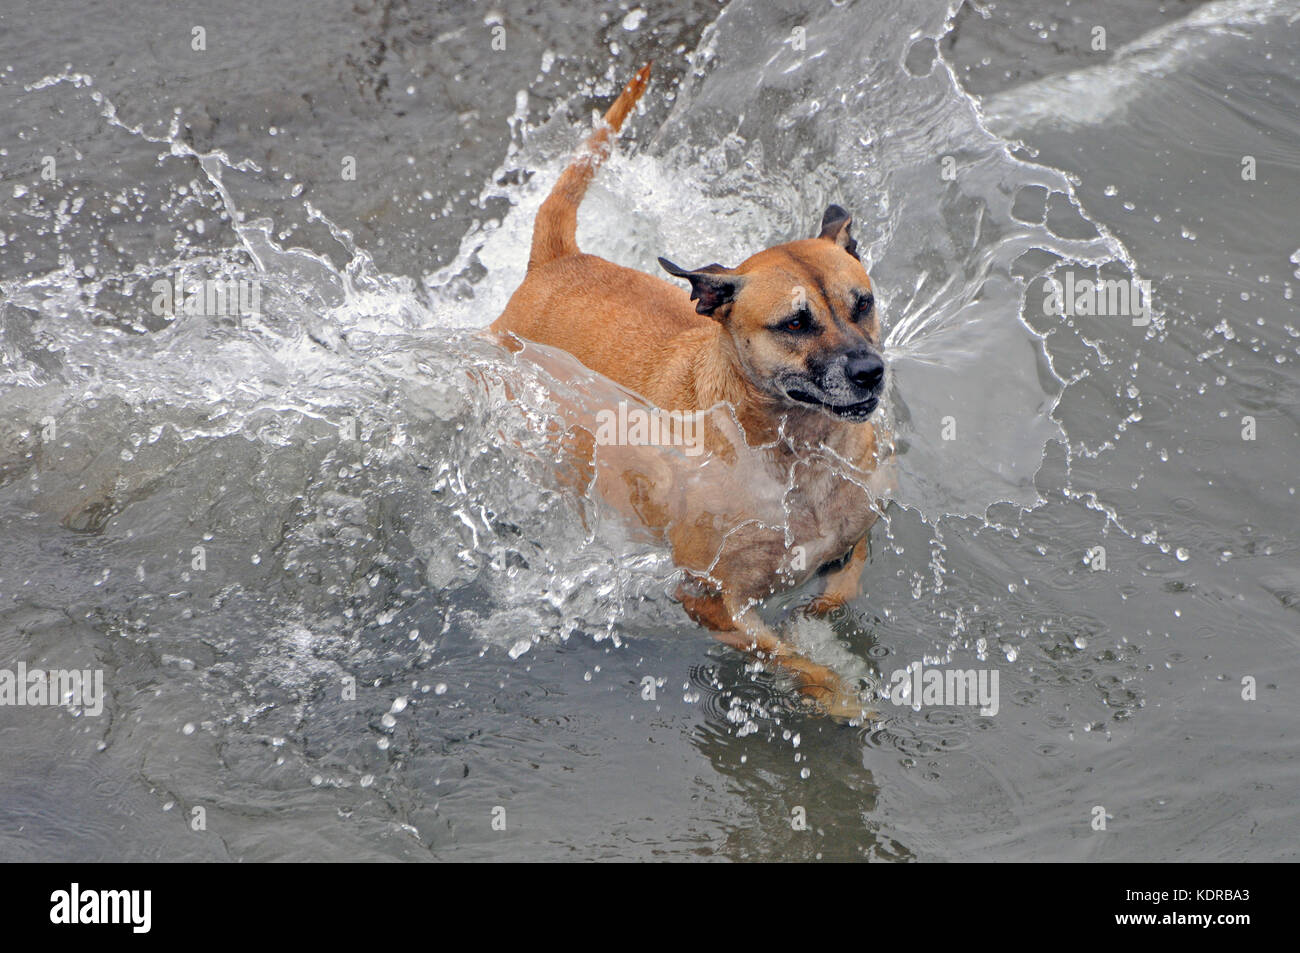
point(848, 709)
point(826, 604)
point(840, 702)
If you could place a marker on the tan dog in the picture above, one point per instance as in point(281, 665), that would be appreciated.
point(789, 339)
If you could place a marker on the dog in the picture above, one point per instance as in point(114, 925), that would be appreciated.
point(788, 341)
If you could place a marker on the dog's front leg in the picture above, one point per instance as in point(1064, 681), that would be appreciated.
point(751, 634)
point(844, 584)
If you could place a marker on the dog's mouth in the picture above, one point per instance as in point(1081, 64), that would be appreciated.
point(859, 411)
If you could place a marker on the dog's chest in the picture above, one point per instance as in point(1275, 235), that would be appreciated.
point(754, 521)
point(828, 511)
point(772, 540)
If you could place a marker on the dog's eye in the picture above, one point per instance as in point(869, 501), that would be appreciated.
point(799, 324)
point(864, 306)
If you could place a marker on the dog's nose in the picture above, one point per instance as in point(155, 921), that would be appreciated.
point(865, 370)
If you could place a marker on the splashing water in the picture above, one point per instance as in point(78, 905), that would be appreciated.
point(350, 481)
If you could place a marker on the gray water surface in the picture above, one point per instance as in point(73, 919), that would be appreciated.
point(373, 511)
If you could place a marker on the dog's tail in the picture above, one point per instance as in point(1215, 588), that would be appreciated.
point(555, 232)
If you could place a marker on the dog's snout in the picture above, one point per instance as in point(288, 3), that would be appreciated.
point(865, 370)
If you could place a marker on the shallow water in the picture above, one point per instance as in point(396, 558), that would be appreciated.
point(371, 506)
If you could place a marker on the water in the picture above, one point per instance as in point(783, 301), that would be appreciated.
point(371, 510)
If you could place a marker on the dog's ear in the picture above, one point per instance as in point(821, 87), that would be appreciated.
point(835, 228)
point(712, 286)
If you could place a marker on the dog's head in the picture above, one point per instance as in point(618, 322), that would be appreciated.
point(803, 320)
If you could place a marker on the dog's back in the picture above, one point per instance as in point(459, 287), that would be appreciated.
point(615, 320)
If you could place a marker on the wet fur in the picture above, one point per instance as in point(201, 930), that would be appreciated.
point(693, 351)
